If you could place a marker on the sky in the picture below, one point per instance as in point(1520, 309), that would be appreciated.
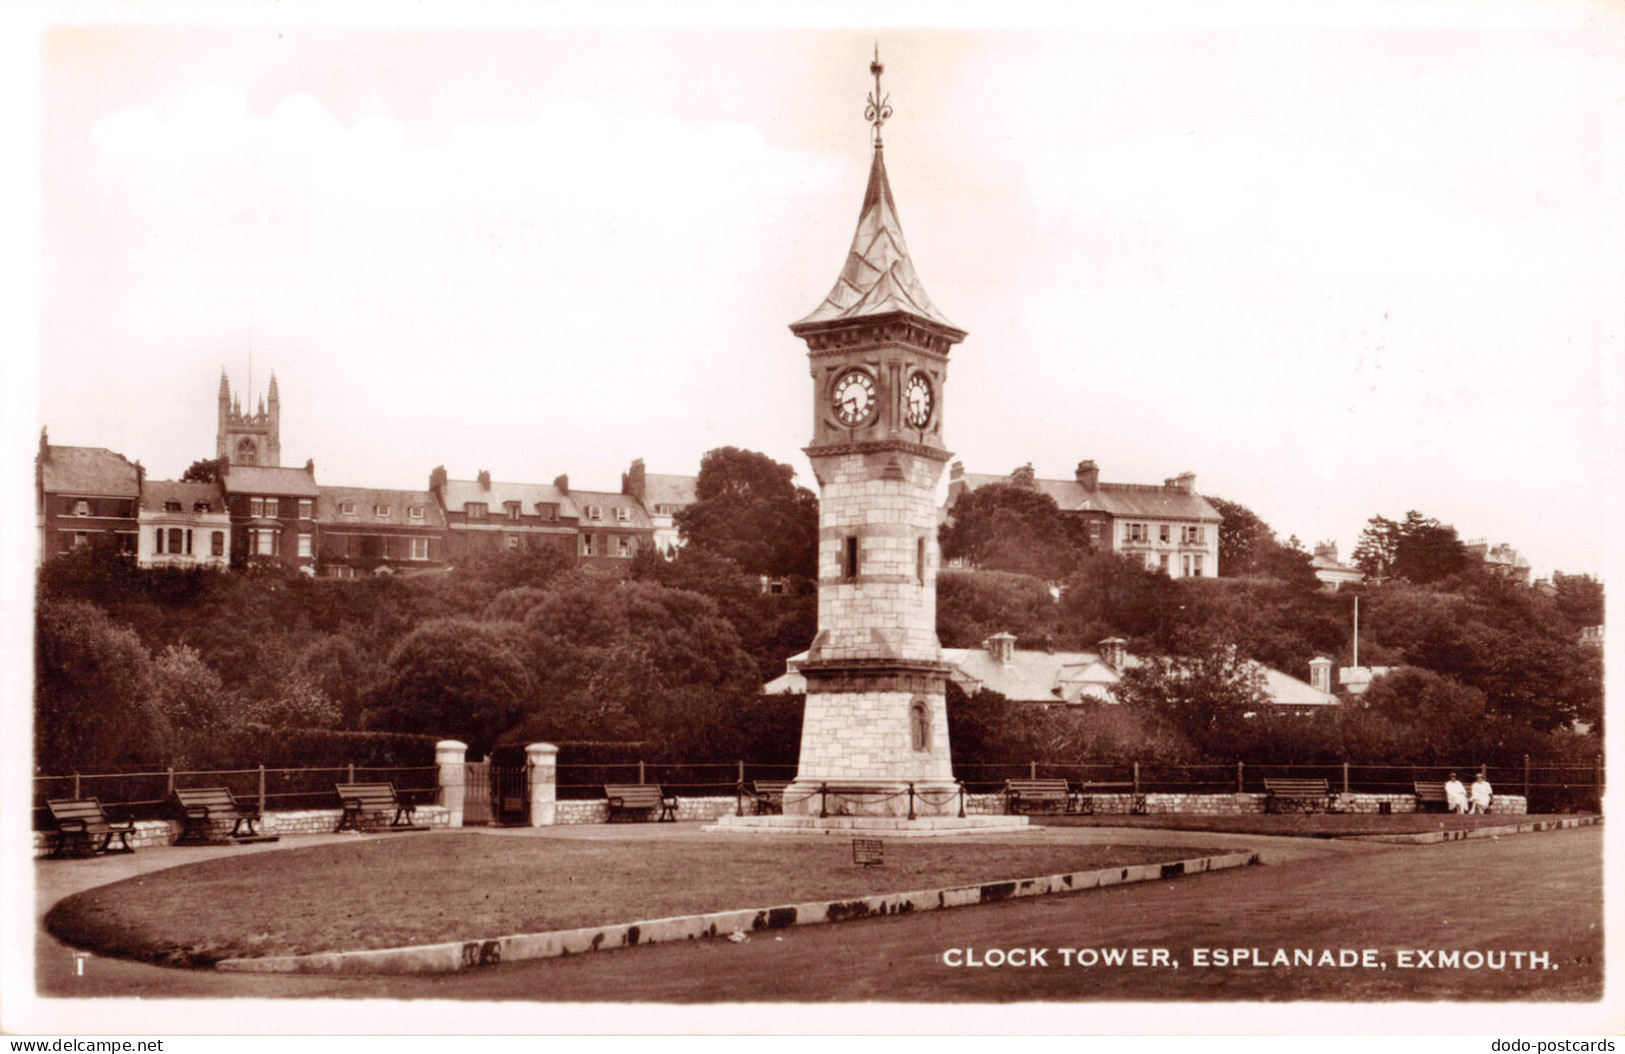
point(1338, 266)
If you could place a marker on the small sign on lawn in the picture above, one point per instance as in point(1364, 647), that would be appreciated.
point(868, 851)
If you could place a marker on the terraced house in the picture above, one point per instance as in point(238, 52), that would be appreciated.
point(273, 514)
point(183, 525)
point(1171, 528)
point(365, 530)
point(85, 497)
point(486, 516)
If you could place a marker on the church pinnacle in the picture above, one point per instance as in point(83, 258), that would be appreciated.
point(878, 277)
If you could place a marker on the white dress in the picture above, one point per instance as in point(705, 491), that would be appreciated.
point(1481, 795)
point(1455, 795)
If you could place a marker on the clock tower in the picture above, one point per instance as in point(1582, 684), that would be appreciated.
point(874, 737)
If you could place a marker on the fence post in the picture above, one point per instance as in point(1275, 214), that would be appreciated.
point(351, 777)
point(1526, 780)
point(640, 772)
point(1136, 777)
point(170, 771)
point(543, 761)
point(741, 772)
point(450, 758)
point(76, 794)
point(1345, 775)
point(262, 789)
point(1032, 770)
point(1241, 767)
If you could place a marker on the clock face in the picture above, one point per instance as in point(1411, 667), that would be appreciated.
point(854, 398)
point(917, 401)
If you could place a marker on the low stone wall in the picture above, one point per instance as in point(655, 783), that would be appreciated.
point(596, 810)
point(1238, 804)
point(151, 833)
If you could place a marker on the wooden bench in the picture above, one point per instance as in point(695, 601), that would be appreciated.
point(1428, 794)
point(80, 821)
point(1031, 795)
point(769, 795)
point(1305, 794)
point(202, 806)
point(628, 798)
point(1083, 796)
point(363, 799)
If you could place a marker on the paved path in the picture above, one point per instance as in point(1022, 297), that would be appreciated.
point(1540, 892)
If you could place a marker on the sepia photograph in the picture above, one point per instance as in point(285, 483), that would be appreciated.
point(858, 519)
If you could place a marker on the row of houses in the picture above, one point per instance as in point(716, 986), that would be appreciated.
point(89, 497)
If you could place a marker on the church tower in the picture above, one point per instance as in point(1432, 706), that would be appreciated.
point(876, 724)
point(251, 438)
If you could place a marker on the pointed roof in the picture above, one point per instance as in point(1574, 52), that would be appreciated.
point(878, 277)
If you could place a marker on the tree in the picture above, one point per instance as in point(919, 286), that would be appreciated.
point(1378, 547)
point(204, 471)
point(1004, 527)
point(749, 510)
point(974, 605)
point(1112, 595)
point(455, 678)
point(1418, 549)
point(1243, 537)
point(1579, 598)
point(94, 706)
point(1203, 693)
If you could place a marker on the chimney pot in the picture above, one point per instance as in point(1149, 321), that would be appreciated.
point(1088, 474)
point(484, 479)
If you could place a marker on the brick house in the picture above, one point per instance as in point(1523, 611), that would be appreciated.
point(273, 515)
point(612, 528)
point(485, 516)
point(1171, 528)
point(85, 497)
point(662, 498)
point(183, 525)
point(364, 530)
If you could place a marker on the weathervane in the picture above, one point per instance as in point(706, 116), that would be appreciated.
point(879, 108)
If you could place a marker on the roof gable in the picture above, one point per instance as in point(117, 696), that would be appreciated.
point(89, 470)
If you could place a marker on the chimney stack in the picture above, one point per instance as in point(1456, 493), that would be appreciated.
point(1088, 474)
point(437, 480)
point(1024, 478)
point(1114, 652)
point(635, 480)
point(1184, 483)
point(1002, 647)
point(563, 483)
point(484, 479)
point(310, 467)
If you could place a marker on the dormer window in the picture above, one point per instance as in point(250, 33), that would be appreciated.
point(202, 506)
point(595, 513)
point(381, 511)
point(172, 506)
point(513, 509)
point(347, 508)
point(622, 514)
point(415, 513)
point(546, 511)
point(474, 510)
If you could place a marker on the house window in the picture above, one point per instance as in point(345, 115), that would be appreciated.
point(623, 545)
point(1193, 535)
point(81, 508)
point(172, 506)
point(595, 513)
point(415, 513)
point(158, 541)
point(307, 508)
point(1136, 532)
point(513, 509)
point(381, 511)
point(622, 514)
point(264, 542)
point(273, 508)
point(849, 557)
point(347, 508)
point(176, 540)
point(513, 541)
point(202, 506)
point(420, 548)
point(304, 544)
point(919, 725)
point(217, 543)
point(1163, 532)
point(474, 510)
point(1196, 565)
point(81, 539)
point(547, 512)
point(256, 507)
point(1163, 562)
point(586, 545)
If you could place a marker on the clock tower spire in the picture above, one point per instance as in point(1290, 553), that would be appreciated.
point(875, 732)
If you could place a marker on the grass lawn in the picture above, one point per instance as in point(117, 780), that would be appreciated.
point(1304, 825)
point(422, 889)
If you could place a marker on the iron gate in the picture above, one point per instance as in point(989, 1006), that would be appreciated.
point(477, 794)
point(496, 794)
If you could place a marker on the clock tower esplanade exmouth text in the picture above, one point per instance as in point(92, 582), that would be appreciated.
point(874, 740)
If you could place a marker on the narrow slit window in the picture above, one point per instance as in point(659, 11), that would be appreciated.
point(849, 566)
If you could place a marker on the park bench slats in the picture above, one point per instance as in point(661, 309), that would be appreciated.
point(365, 799)
point(625, 799)
point(201, 806)
point(1306, 794)
point(80, 821)
point(1429, 794)
point(769, 795)
point(1052, 795)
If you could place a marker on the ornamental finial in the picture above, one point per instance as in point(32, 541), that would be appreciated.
point(879, 108)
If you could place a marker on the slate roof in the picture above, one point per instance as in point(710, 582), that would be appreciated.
point(460, 492)
point(1122, 500)
point(878, 277)
point(330, 499)
point(1060, 676)
point(89, 470)
point(155, 492)
point(669, 490)
point(262, 479)
point(635, 517)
